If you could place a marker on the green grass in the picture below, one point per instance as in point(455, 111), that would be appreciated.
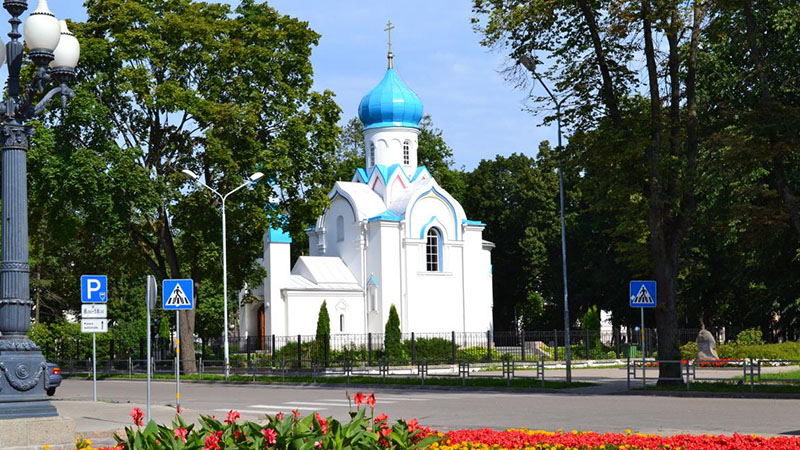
point(432, 381)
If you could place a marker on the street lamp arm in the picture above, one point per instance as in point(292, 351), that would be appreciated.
point(63, 90)
point(210, 189)
point(246, 183)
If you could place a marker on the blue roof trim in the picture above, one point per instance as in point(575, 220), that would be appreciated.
point(386, 216)
point(279, 236)
point(387, 172)
point(373, 281)
point(473, 222)
point(362, 173)
point(310, 229)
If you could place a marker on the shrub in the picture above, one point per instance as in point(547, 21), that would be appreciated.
point(323, 331)
point(438, 349)
point(476, 354)
point(392, 337)
point(750, 336)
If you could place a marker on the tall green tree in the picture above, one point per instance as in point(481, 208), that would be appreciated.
point(323, 322)
point(392, 338)
point(179, 84)
point(592, 46)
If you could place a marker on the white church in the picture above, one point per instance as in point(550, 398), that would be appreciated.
point(391, 236)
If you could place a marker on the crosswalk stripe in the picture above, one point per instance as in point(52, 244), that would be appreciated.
point(249, 411)
point(285, 407)
point(319, 403)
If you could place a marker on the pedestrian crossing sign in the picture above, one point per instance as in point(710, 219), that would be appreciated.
point(177, 294)
point(643, 294)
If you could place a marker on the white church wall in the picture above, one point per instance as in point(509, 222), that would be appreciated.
point(346, 244)
point(277, 257)
point(435, 298)
point(478, 281)
point(389, 272)
point(303, 311)
point(433, 210)
point(389, 146)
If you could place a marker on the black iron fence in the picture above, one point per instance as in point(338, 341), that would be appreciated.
point(369, 349)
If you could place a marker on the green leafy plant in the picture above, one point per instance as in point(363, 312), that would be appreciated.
point(392, 336)
point(281, 431)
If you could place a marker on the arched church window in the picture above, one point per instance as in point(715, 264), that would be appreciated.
point(339, 229)
point(406, 153)
point(433, 251)
point(372, 153)
point(373, 298)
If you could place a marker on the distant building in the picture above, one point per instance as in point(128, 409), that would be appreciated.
point(391, 236)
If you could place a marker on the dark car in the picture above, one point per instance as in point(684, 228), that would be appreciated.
point(55, 378)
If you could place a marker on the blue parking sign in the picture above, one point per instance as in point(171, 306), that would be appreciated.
point(643, 294)
point(94, 289)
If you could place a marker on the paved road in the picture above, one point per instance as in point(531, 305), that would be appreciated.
point(443, 409)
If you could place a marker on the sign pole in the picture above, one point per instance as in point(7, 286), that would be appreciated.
point(178, 362)
point(94, 367)
point(644, 363)
point(151, 283)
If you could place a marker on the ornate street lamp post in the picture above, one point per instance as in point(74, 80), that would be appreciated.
point(55, 51)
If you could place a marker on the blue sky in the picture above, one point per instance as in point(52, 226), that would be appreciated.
point(436, 53)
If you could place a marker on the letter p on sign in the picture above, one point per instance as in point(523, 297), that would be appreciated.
point(94, 289)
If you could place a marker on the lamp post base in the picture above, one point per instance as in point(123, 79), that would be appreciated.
point(24, 379)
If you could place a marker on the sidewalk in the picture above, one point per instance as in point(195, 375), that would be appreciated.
point(100, 421)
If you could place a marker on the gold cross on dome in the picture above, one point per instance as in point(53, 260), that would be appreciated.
point(388, 29)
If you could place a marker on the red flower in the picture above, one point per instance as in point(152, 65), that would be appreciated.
point(323, 423)
point(181, 433)
point(318, 444)
point(296, 413)
point(232, 416)
point(381, 418)
point(359, 399)
point(279, 416)
point(412, 425)
point(386, 431)
point(212, 441)
point(270, 435)
point(371, 400)
point(137, 417)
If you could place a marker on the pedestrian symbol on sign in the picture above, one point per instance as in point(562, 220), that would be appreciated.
point(643, 294)
point(178, 298)
point(178, 294)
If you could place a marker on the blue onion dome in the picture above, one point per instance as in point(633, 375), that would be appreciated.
point(390, 104)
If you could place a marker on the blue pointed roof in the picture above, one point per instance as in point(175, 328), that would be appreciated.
point(390, 104)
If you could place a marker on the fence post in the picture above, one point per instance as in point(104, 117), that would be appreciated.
point(489, 345)
point(413, 354)
point(522, 343)
point(130, 368)
point(555, 352)
point(752, 387)
point(299, 351)
point(369, 347)
point(200, 374)
point(327, 348)
point(272, 349)
point(453, 341)
point(587, 345)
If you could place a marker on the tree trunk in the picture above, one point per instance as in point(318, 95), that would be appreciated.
point(607, 89)
point(665, 236)
point(187, 317)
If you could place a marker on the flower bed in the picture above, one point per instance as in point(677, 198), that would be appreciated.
point(365, 431)
point(543, 440)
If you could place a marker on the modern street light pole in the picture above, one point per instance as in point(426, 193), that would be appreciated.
point(252, 179)
point(530, 64)
point(55, 51)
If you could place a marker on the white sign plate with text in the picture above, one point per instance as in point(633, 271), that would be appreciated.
point(94, 326)
point(94, 311)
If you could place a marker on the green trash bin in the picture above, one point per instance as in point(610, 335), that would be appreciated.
point(633, 351)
